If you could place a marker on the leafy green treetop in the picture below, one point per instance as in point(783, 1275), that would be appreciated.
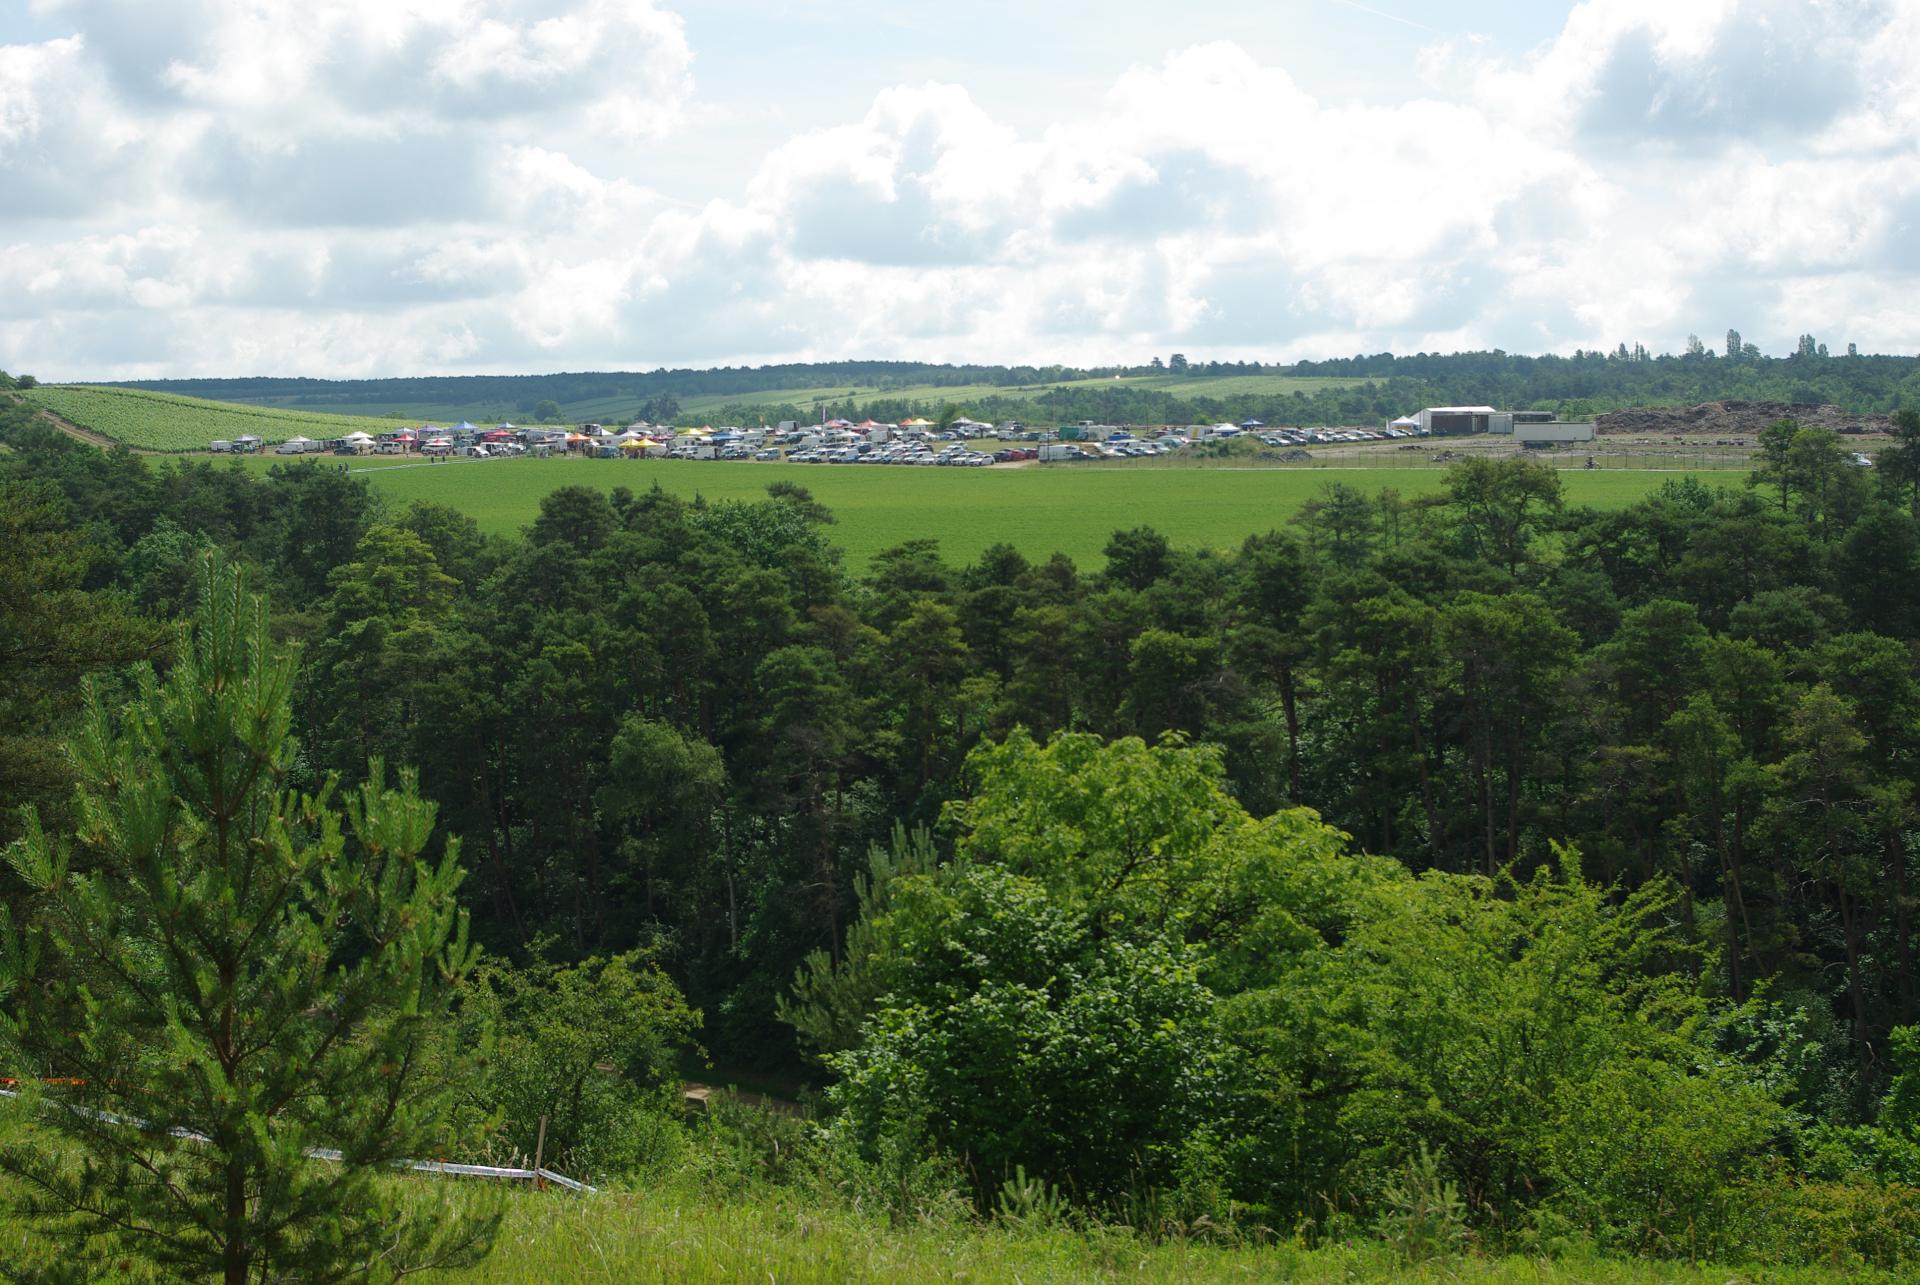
point(220, 974)
point(1898, 466)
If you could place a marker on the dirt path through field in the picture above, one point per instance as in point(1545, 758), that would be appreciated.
point(87, 435)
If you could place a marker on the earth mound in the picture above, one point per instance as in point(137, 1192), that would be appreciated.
point(1735, 418)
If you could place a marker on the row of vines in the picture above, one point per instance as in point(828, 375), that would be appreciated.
point(164, 422)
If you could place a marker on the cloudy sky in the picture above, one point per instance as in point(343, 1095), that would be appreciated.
point(376, 187)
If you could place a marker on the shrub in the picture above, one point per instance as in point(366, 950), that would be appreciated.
point(592, 1048)
point(1422, 1216)
point(1015, 1036)
point(734, 1149)
point(1848, 1225)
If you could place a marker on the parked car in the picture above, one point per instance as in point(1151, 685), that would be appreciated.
point(345, 450)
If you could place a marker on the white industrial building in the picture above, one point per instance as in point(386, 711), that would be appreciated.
point(1524, 426)
point(1458, 421)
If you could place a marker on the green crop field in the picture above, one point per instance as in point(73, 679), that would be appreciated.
point(1040, 510)
point(930, 396)
point(164, 422)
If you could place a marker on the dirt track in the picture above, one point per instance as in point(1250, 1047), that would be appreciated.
point(86, 435)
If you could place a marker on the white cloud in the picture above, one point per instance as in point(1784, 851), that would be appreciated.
point(390, 186)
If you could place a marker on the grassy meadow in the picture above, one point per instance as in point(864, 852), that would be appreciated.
point(622, 1238)
point(684, 1236)
point(1041, 510)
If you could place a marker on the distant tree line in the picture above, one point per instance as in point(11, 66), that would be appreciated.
point(1377, 387)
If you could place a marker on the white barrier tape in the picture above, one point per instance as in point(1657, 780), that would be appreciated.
point(571, 1184)
point(328, 1153)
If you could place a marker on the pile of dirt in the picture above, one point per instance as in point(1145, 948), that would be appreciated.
point(1735, 419)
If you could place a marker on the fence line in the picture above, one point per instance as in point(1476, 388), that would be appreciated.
point(536, 1175)
point(1604, 459)
point(1639, 458)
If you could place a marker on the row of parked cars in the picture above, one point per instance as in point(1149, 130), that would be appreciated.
point(930, 451)
point(1334, 436)
point(1125, 446)
point(950, 456)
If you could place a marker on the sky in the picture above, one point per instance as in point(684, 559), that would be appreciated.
point(361, 188)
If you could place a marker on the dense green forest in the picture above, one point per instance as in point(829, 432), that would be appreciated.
point(1467, 869)
point(1183, 391)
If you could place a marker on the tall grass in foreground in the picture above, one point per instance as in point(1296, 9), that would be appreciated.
point(684, 1232)
point(678, 1235)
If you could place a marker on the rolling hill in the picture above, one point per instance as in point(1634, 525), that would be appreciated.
point(613, 398)
point(163, 422)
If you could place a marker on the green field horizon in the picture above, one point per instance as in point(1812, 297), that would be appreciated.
point(1039, 510)
point(171, 423)
point(622, 406)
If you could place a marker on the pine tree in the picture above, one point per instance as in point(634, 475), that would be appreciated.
point(834, 993)
point(220, 974)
